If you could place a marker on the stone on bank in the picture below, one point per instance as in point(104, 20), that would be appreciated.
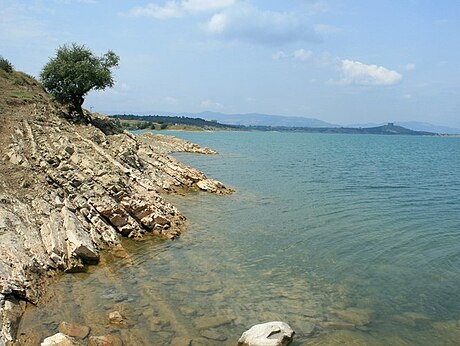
point(267, 334)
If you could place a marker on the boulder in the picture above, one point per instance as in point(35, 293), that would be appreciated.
point(60, 339)
point(267, 334)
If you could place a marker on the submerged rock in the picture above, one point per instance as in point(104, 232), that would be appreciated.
point(116, 318)
point(337, 325)
point(74, 330)
point(213, 334)
point(207, 322)
point(341, 338)
point(105, 340)
point(267, 334)
point(181, 341)
point(358, 317)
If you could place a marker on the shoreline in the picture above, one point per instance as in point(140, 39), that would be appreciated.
point(70, 191)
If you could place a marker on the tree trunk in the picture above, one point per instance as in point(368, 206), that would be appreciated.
point(77, 106)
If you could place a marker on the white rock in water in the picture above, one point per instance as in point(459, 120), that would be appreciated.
point(267, 334)
point(59, 339)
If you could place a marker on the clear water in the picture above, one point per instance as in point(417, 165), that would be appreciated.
point(323, 232)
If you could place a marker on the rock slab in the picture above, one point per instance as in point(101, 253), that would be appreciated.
point(74, 330)
point(267, 334)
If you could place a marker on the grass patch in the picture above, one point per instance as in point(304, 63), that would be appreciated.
point(18, 88)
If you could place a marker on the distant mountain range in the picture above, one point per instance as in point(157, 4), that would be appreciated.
point(257, 119)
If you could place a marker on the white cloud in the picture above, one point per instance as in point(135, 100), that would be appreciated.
point(247, 23)
point(279, 55)
point(299, 55)
point(68, 2)
point(409, 67)
point(217, 23)
point(302, 54)
point(327, 29)
point(209, 104)
point(205, 5)
point(355, 72)
point(175, 9)
point(169, 10)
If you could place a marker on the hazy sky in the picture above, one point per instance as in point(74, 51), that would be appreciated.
point(342, 61)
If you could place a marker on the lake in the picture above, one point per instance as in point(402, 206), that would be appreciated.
point(351, 239)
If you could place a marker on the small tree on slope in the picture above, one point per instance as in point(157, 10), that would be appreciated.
point(74, 72)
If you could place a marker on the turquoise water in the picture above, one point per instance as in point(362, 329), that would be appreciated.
point(351, 239)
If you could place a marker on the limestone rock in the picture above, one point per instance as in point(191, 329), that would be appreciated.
point(181, 341)
point(212, 334)
point(60, 339)
point(358, 317)
point(267, 334)
point(105, 340)
point(74, 330)
point(79, 241)
point(337, 325)
point(170, 144)
point(207, 322)
point(10, 313)
point(69, 190)
point(344, 337)
point(116, 318)
point(213, 186)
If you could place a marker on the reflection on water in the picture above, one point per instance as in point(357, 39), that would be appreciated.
point(350, 239)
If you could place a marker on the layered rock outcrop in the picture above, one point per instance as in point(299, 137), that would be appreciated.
point(69, 190)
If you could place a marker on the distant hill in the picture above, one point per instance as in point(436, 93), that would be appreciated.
point(392, 129)
point(160, 122)
point(256, 119)
point(389, 129)
point(416, 126)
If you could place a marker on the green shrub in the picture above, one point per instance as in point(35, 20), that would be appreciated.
point(74, 72)
point(5, 65)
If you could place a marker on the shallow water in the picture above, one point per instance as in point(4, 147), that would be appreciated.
point(351, 239)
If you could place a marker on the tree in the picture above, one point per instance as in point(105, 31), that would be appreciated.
point(74, 72)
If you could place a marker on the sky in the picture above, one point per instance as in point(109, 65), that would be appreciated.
point(341, 61)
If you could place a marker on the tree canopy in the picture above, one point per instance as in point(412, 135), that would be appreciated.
point(74, 72)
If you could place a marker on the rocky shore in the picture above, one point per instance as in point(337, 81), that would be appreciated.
point(70, 189)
